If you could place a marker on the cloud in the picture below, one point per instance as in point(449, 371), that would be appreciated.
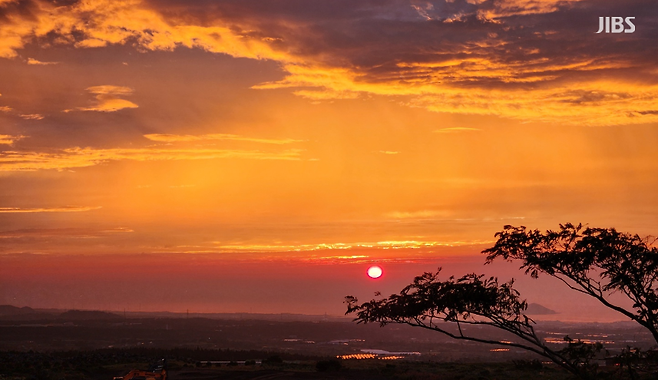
point(422, 214)
point(98, 23)
point(9, 139)
point(32, 234)
point(107, 99)
point(506, 8)
point(159, 137)
point(110, 90)
point(456, 130)
point(9, 110)
point(388, 152)
point(393, 244)
point(12, 161)
point(32, 61)
point(91, 43)
point(32, 116)
point(531, 60)
point(46, 209)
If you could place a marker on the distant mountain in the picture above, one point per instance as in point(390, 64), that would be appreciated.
point(14, 313)
point(9, 310)
point(288, 317)
point(537, 309)
point(85, 315)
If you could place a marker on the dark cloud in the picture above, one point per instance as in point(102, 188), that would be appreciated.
point(373, 37)
point(23, 9)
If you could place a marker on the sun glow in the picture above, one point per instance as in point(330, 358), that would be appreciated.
point(375, 272)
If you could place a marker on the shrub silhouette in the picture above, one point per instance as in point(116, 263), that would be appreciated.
point(328, 365)
point(592, 261)
point(470, 300)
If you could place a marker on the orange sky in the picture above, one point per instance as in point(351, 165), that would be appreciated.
point(284, 145)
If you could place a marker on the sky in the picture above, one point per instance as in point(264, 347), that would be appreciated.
point(258, 156)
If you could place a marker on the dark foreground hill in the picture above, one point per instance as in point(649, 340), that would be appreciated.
point(186, 364)
point(198, 364)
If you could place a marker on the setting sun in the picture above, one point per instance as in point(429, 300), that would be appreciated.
point(375, 272)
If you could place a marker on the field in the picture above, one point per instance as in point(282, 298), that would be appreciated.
point(57, 345)
point(183, 365)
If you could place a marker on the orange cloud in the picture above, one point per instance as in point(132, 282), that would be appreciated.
point(107, 99)
point(32, 61)
point(423, 214)
point(32, 116)
point(456, 130)
point(385, 245)
point(13, 32)
point(160, 137)
point(521, 7)
point(590, 101)
point(39, 233)
point(12, 161)
point(103, 22)
point(9, 139)
point(5, 108)
point(46, 209)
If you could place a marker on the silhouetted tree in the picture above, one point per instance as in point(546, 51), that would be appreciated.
point(470, 300)
point(593, 261)
point(328, 365)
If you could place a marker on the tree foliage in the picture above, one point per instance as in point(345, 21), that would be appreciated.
point(593, 261)
point(470, 300)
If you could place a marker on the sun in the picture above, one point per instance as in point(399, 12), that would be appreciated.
point(375, 271)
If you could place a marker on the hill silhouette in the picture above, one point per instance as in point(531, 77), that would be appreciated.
point(537, 309)
point(9, 310)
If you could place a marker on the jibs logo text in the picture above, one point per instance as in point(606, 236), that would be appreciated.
point(616, 24)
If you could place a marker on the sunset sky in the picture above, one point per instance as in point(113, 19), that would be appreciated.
point(258, 155)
